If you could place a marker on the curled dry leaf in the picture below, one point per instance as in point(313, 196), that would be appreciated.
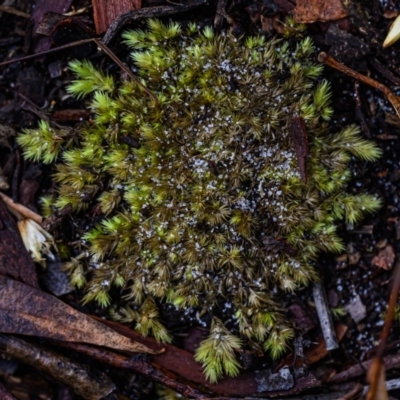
point(28, 311)
point(385, 258)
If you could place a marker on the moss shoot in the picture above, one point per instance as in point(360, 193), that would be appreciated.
point(203, 203)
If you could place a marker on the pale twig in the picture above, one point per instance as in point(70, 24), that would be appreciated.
point(11, 10)
point(325, 318)
point(19, 210)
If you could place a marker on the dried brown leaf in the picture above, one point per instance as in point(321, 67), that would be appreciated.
point(385, 258)
point(28, 311)
point(308, 11)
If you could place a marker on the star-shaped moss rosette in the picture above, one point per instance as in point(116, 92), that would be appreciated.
point(203, 201)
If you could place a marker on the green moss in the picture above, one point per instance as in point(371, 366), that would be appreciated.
point(204, 206)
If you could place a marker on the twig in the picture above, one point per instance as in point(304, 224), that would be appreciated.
point(325, 317)
point(138, 363)
point(77, 12)
point(391, 361)
point(354, 393)
point(384, 71)
point(43, 53)
point(331, 62)
point(88, 384)
point(78, 43)
point(20, 209)
point(219, 15)
point(359, 113)
point(11, 10)
point(124, 67)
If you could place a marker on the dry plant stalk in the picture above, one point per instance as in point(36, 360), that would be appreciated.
point(19, 210)
point(324, 317)
point(376, 372)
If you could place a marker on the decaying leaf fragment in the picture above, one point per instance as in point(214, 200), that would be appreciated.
point(28, 311)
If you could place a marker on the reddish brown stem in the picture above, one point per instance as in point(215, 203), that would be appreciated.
point(331, 62)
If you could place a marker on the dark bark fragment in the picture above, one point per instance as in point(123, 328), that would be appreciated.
point(105, 12)
point(28, 311)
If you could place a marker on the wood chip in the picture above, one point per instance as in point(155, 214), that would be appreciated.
point(308, 11)
point(356, 309)
point(105, 12)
